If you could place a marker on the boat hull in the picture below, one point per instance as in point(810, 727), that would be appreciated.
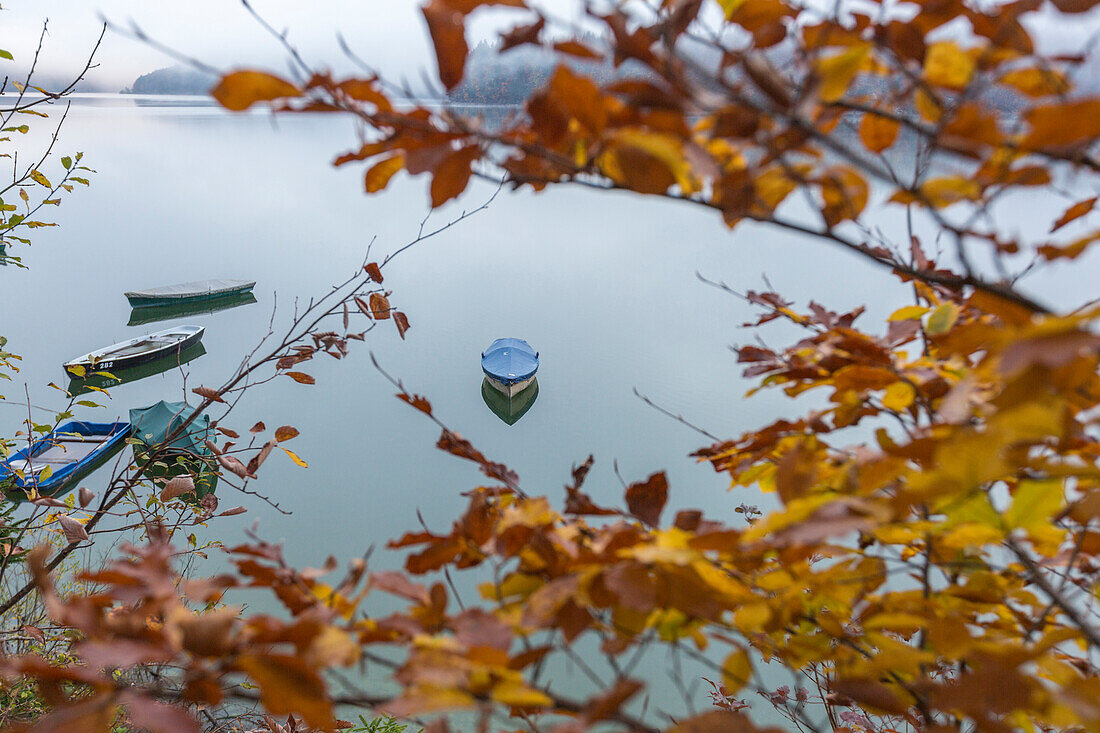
point(104, 439)
point(204, 291)
point(106, 362)
point(509, 390)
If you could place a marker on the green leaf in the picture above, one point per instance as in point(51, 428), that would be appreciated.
point(67, 162)
point(88, 403)
point(6, 55)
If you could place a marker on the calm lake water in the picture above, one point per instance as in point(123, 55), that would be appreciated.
point(604, 286)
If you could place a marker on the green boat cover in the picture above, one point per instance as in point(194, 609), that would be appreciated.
point(187, 453)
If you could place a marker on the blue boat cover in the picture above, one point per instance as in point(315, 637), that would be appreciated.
point(154, 423)
point(510, 360)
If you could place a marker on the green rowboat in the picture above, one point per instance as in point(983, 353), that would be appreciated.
point(193, 292)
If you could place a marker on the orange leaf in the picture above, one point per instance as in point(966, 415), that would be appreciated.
point(379, 306)
point(301, 377)
point(1076, 211)
point(239, 90)
point(877, 133)
point(378, 175)
point(1068, 123)
point(364, 90)
point(452, 175)
point(289, 685)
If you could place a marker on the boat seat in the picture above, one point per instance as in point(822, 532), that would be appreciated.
point(81, 438)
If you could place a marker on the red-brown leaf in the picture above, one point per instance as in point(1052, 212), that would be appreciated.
point(402, 322)
point(301, 377)
point(286, 432)
point(447, 29)
point(373, 271)
point(646, 500)
point(522, 34)
point(257, 428)
point(420, 403)
point(207, 393)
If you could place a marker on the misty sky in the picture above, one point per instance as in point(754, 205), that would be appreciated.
point(388, 33)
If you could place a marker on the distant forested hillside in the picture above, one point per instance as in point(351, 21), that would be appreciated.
point(172, 80)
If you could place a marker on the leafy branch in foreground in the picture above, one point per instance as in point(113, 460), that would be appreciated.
point(933, 563)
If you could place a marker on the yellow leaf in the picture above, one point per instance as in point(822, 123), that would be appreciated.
point(736, 671)
point(517, 694)
point(294, 457)
point(39, 178)
point(946, 64)
point(752, 617)
point(1034, 503)
point(928, 107)
point(838, 71)
point(942, 319)
point(731, 6)
point(1036, 82)
point(908, 312)
point(899, 396)
point(944, 191)
point(970, 535)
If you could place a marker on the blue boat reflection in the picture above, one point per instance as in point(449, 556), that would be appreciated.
point(509, 409)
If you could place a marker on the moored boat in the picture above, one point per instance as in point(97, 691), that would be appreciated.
point(509, 365)
point(126, 354)
point(57, 460)
point(188, 292)
point(97, 380)
point(185, 454)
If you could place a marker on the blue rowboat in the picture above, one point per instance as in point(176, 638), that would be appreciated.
point(70, 452)
point(509, 365)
